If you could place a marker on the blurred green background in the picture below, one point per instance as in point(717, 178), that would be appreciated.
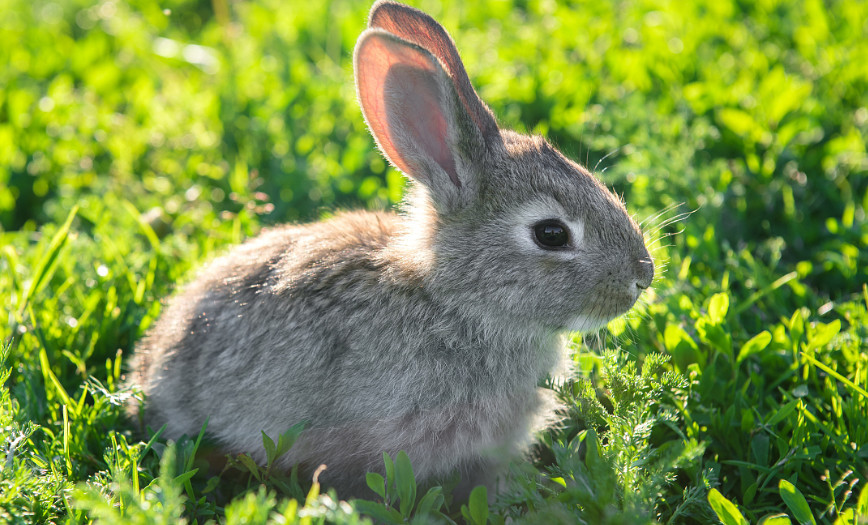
point(752, 113)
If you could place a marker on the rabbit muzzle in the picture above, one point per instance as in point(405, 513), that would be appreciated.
point(644, 273)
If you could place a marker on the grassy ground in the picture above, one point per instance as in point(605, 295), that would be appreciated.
point(138, 139)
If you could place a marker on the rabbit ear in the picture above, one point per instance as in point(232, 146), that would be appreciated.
point(417, 27)
point(414, 112)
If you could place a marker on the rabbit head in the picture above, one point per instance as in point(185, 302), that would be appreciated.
point(503, 226)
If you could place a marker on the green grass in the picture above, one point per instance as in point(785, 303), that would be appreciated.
point(127, 157)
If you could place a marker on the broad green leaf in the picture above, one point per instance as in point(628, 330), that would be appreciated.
point(377, 483)
point(726, 510)
point(251, 465)
point(379, 512)
point(717, 307)
point(796, 503)
point(675, 335)
point(823, 333)
point(682, 347)
point(430, 502)
point(714, 334)
point(405, 483)
point(592, 449)
point(212, 484)
point(270, 449)
point(288, 439)
point(390, 477)
point(478, 505)
point(756, 344)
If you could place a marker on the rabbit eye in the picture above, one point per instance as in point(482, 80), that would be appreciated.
point(551, 234)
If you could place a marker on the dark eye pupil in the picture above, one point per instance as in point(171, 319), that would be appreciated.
point(551, 234)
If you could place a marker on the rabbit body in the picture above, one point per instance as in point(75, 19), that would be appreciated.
point(370, 371)
point(426, 331)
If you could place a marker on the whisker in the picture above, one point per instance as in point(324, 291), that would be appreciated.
point(677, 218)
point(665, 235)
point(654, 249)
point(654, 230)
point(607, 155)
point(661, 212)
point(653, 219)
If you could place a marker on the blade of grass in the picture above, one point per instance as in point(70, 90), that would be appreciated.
point(134, 474)
point(80, 406)
point(192, 457)
point(853, 386)
point(151, 442)
point(188, 486)
point(46, 265)
point(12, 259)
point(154, 241)
point(66, 441)
point(759, 294)
point(49, 377)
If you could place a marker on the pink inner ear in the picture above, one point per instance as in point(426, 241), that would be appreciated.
point(400, 97)
point(417, 27)
point(417, 110)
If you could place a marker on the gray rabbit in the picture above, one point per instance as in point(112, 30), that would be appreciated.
point(426, 331)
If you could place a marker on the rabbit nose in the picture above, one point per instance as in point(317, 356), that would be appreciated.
point(644, 273)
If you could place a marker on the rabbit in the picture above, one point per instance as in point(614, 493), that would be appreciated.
point(427, 330)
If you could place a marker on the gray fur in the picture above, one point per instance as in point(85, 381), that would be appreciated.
point(426, 331)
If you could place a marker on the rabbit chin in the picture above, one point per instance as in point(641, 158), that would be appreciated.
point(587, 323)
